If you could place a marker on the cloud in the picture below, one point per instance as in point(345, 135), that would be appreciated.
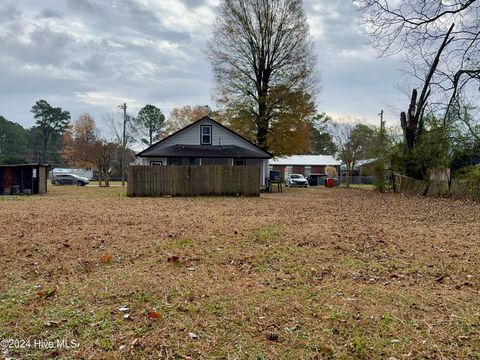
point(87, 56)
point(50, 14)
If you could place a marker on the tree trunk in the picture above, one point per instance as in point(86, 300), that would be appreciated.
point(262, 125)
point(347, 176)
point(412, 122)
point(100, 174)
point(44, 150)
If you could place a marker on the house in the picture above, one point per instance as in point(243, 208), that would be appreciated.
point(206, 142)
point(306, 165)
point(364, 167)
point(23, 179)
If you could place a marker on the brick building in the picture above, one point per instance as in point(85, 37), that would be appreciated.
point(305, 164)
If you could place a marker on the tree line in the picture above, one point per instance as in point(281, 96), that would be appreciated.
point(265, 71)
point(57, 140)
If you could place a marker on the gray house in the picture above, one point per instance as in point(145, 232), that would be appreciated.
point(205, 142)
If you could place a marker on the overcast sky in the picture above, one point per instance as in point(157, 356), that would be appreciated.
point(91, 55)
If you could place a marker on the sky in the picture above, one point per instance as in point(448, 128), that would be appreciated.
point(89, 56)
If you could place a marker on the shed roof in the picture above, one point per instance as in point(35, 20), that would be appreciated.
point(306, 160)
point(217, 151)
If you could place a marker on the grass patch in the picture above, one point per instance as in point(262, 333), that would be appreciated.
point(329, 284)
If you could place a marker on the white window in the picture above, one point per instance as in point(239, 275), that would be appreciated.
point(206, 134)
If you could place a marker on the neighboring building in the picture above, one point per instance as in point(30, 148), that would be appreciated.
point(206, 142)
point(23, 179)
point(79, 172)
point(363, 167)
point(305, 164)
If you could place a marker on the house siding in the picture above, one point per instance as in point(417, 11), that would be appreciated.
point(316, 169)
point(298, 169)
point(220, 136)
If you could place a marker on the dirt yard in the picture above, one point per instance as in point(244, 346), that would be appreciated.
point(306, 274)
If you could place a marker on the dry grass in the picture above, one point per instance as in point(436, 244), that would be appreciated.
point(335, 273)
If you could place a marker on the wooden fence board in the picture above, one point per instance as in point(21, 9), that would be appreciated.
point(409, 185)
point(462, 188)
point(465, 188)
point(182, 180)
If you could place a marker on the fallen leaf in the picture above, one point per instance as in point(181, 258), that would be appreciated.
point(173, 258)
point(153, 315)
point(46, 293)
point(192, 335)
point(106, 258)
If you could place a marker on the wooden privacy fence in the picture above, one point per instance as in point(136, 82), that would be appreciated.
point(465, 188)
point(455, 187)
point(180, 180)
point(409, 185)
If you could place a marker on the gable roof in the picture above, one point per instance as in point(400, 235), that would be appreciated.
point(194, 123)
point(216, 151)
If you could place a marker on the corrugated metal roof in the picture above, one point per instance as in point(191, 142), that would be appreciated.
point(359, 164)
point(307, 160)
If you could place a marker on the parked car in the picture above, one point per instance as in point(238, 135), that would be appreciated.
point(317, 179)
point(69, 179)
point(296, 180)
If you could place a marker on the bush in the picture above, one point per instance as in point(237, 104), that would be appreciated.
point(470, 173)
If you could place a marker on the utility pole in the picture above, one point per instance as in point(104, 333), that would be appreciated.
point(381, 171)
point(382, 123)
point(124, 140)
point(382, 129)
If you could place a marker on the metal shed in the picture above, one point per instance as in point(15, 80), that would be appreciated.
point(23, 179)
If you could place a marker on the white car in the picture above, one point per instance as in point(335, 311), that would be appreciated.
point(296, 180)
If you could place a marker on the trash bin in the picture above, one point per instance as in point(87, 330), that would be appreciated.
point(329, 182)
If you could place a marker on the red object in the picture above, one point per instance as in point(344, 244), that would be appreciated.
point(329, 182)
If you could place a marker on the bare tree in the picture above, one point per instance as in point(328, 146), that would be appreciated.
point(102, 152)
point(426, 30)
point(354, 142)
point(124, 139)
point(441, 41)
point(259, 49)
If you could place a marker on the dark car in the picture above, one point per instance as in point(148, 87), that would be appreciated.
point(69, 179)
point(317, 179)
